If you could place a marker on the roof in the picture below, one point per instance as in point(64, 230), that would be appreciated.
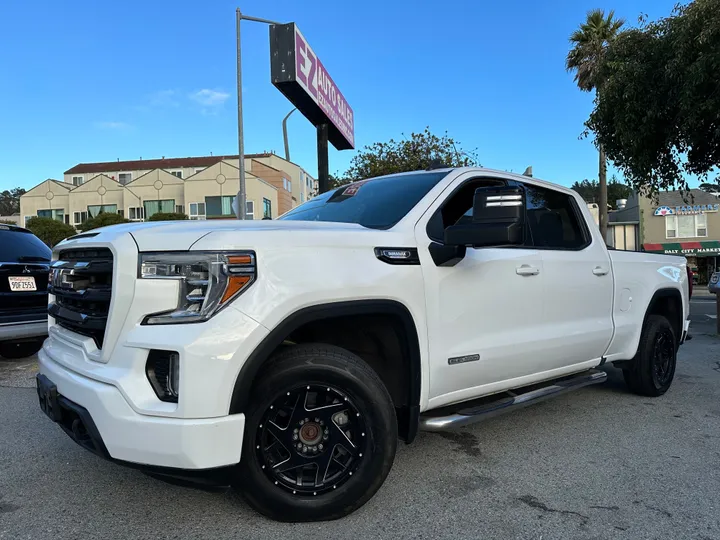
point(149, 164)
point(682, 198)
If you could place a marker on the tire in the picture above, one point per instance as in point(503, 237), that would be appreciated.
point(14, 350)
point(652, 370)
point(357, 399)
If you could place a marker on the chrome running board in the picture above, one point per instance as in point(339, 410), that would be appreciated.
point(436, 421)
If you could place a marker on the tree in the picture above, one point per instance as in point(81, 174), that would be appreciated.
point(167, 216)
point(10, 201)
point(710, 188)
point(103, 219)
point(416, 153)
point(586, 58)
point(659, 110)
point(50, 231)
point(589, 190)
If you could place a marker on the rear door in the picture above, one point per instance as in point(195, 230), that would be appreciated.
point(24, 264)
point(578, 285)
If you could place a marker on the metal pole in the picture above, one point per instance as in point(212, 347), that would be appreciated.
point(241, 206)
point(285, 137)
point(323, 165)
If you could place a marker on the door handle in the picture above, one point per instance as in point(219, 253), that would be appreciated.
point(600, 271)
point(527, 270)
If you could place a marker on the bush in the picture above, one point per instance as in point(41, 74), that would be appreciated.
point(103, 219)
point(7, 222)
point(50, 230)
point(167, 216)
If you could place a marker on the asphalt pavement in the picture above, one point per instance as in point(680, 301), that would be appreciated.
point(597, 463)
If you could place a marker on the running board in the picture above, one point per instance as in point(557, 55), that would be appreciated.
point(470, 415)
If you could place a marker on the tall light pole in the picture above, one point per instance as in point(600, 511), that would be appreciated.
point(285, 136)
point(241, 194)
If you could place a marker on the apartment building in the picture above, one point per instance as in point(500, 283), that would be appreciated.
point(202, 187)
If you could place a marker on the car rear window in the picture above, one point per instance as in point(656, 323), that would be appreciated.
point(22, 246)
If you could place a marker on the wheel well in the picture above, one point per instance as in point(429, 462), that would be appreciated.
point(382, 333)
point(668, 303)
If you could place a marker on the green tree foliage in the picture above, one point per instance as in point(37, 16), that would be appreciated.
point(659, 110)
point(167, 216)
point(589, 45)
point(103, 219)
point(416, 153)
point(10, 201)
point(710, 188)
point(7, 222)
point(589, 190)
point(50, 231)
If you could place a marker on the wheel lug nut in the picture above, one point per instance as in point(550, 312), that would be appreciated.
point(299, 446)
point(325, 437)
point(320, 446)
point(317, 419)
point(302, 422)
point(304, 448)
point(295, 437)
point(314, 449)
point(295, 430)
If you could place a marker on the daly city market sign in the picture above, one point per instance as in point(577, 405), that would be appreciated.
point(299, 74)
point(708, 248)
point(686, 210)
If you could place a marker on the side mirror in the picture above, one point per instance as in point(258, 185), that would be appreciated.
point(498, 219)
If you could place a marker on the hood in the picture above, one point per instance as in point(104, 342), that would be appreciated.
point(181, 235)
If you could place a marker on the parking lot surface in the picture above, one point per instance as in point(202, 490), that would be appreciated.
point(597, 463)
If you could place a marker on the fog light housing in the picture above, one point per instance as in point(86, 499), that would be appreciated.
point(163, 372)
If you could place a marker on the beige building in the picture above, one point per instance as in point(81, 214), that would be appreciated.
point(201, 187)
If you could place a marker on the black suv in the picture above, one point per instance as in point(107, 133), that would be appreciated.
point(24, 267)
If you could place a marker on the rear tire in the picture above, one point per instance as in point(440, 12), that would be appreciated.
point(14, 350)
point(652, 370)
point(301, 398)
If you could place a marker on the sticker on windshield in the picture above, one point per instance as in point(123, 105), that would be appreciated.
point(353, 188)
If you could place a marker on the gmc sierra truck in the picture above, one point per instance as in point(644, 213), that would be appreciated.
point(287, 357)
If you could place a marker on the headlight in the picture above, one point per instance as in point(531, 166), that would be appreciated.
point(208, 281)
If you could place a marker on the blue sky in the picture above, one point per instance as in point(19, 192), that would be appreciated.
point(98, 81)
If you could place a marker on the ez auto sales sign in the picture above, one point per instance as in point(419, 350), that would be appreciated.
point(300, 75)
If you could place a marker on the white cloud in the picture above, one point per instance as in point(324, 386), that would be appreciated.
point(164, 98)
point(209, 98)
point(112, 125)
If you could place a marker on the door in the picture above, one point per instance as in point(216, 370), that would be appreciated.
point(578, 291)
point(484, 314)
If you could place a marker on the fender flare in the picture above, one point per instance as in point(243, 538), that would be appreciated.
point(411, 348)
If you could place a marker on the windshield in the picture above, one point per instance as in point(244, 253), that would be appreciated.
point(378, 203)
point(22, 246)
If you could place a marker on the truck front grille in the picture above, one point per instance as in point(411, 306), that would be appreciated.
point(81, 280)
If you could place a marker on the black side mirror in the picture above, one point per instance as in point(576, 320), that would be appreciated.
point(498, 219)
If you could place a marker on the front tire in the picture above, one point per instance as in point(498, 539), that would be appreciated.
point(652, 370)
point(14, 350)
point(320, 435)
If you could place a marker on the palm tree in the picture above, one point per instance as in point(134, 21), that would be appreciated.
point(586, 56)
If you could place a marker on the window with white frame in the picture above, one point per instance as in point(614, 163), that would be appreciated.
point(176, 173)
point(78, 180)
point(125, 178)
point(196, 210)
point(249, 209)
point(693, 226)
point(79, 217)
point(287, 184)
point(178, 209)
point(136, 213)
point(302, 198)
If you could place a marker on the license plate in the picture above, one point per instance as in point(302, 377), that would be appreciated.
point(47, 394)
point(22, 283)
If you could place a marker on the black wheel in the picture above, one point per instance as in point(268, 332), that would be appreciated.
point(13, 350)
point(320, 436)
point(652, 370)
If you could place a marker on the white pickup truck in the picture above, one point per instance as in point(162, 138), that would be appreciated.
point(287, 357)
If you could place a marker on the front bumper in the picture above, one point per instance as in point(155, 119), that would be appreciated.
point(198, 443)
point(23, 330)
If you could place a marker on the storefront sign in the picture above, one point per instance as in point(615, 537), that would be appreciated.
point(686, 210)
point(706, 249)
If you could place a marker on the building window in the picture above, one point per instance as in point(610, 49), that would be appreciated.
point(267, 208)
point(287, 184)
point(176, 173)
point(58, 215)
point(249, 209)
point(136, 213)
point(121, 212)
point(96, 209)
point(125, 178)
point(219, 206)
point(166, 206)
point(686, 226)
point(178, 209)
point(78, 180)
point(302, 198)
point(79, 218)
point(196, 210)
point(199, 169)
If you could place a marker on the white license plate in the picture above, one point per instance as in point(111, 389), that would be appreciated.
point(22, 283)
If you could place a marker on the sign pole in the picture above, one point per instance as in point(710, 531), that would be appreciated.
point(323, 161)
point(241, 197)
